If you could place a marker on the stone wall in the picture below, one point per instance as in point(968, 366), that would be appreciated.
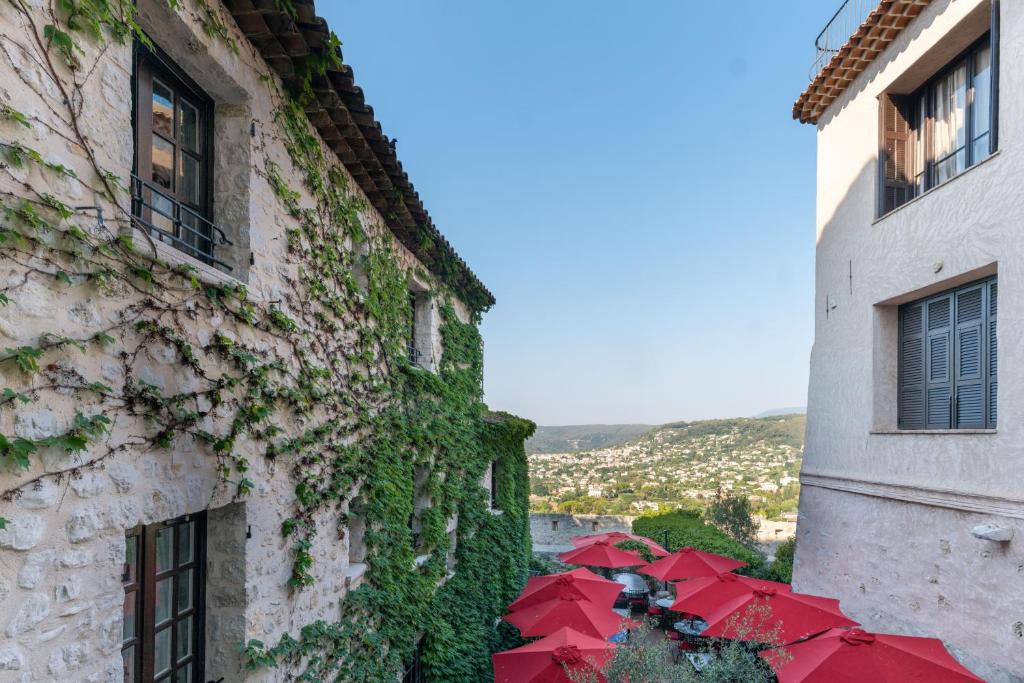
point(62, 553)
point(885, 516)
point(553, 532)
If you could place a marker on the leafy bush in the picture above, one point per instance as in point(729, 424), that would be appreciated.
point(782, 568)
point(686, 528)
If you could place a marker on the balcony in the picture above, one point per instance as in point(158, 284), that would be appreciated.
point(847, 19)
point(857, 33)
point(173, 222)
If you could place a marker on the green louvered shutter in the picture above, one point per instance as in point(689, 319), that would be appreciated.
point(993, 383)
point(938, 374)
point(970, 358)
point(911, 367)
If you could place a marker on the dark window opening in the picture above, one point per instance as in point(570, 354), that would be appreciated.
point(554, 525)
point(937, 132)
point(164, 578)
point(948, 359)
point(414, 352)
point(414, 671)
point(494, 485)
point(171, 185)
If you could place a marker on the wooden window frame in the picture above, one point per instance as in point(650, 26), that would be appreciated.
point(953, 382)
point(149, 63)
point(907, 107)
point(143, 592)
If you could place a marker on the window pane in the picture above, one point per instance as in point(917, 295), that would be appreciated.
point(163, 109)
point(184, 580)
point(982, 97)
point(185, 543)
point(189, 132)
point(948, 130)
point(164, 538)
point(128, 664)
point(163, 600)
point(183, 675)
point(920, 177)
point(162, 651)
point(128, 628)
point(131, 559)
point(163, 162)
point(189, 182)
point(184, 635)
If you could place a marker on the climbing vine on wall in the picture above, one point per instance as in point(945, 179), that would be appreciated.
point(318, 384)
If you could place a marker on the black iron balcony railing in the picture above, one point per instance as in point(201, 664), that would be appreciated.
point(847, 19)
point(170, 221)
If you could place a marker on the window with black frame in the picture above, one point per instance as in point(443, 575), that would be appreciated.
point(173, 153)
point(414, 672)
point(940, 130)
point(164, 578)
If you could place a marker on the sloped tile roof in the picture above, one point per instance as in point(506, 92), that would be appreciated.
point(290, 36)
point(879, 29)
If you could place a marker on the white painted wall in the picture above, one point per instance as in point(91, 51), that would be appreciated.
point(884, 516)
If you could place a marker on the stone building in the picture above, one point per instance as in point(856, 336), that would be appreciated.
point(911, 502)
point(241, 377)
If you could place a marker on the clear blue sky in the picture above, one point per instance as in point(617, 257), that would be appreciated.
point(627, 180)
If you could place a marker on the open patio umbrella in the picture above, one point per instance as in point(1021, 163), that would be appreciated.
point(704, 594)
point(602, 554)
point(583, 616)
point(579, 582)
point(777, 616)
point(853, 656)
point(689, 563)
point(614, 537)
point(545, 660)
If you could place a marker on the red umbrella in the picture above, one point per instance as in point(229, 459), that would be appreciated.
point(580, 615)
point(614, 537)
point(579, 582)
point(689, 563)
point(770, 615)
point(704, 594)
point(602, 554)
point(852, 656)
point(545, 660)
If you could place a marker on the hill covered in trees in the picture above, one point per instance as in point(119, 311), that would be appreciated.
point(680, 463)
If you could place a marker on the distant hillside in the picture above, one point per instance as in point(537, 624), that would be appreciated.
point(795, 410)
point(570, 438)
point(676, 463)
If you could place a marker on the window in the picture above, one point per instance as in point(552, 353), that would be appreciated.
point(414, 352)
point(938, 131)
point(593, 526)
point(164, 579)
point(554, 525)
point(414, 672)
point(947, 360)
point(171, 185)
point(494, 485)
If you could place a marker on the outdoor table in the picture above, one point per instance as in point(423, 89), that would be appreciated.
point(699, 660)
point(690, 627)
point(664, 603)
point(624, 613)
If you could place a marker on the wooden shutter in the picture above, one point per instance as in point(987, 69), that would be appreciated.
point(970, 358)
point(993, 384)
point(895, 153)
point(938, 375)
point(911, 367)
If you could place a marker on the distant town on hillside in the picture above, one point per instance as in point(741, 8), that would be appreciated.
point(632, 469)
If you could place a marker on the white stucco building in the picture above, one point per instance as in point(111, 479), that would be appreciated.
point(914, 461)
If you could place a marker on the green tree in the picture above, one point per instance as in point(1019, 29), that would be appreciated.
point(733, 515)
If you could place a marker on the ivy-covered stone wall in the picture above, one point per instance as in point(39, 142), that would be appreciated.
point(139, 385)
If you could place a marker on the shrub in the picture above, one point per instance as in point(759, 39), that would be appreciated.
point(782, 568)
point(686, 528)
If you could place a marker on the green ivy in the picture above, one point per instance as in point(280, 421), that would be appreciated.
point(334, 401)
